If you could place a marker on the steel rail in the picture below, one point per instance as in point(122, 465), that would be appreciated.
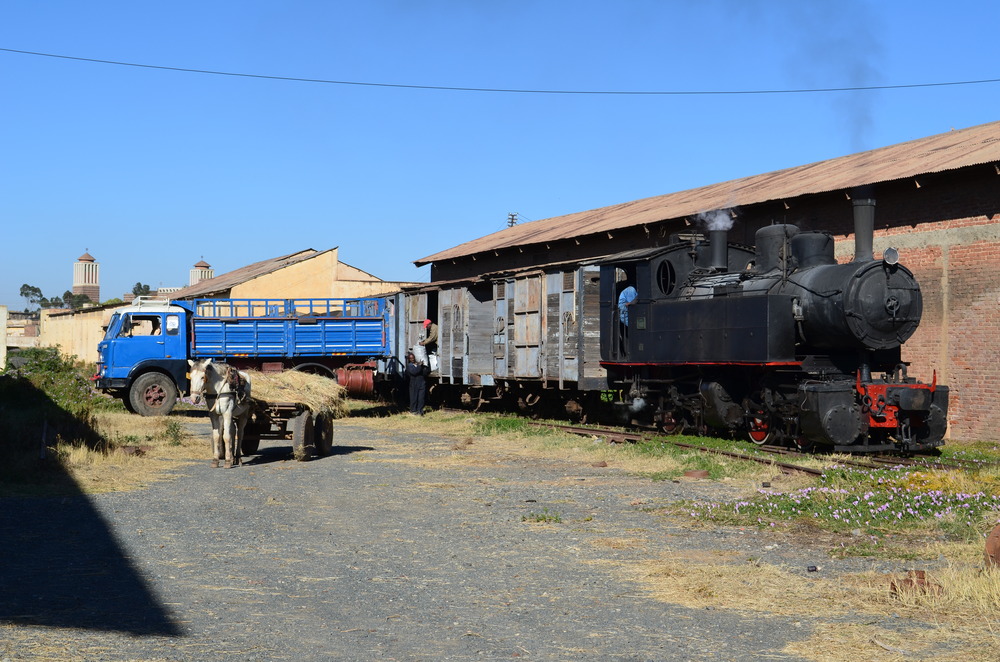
point(631, 436)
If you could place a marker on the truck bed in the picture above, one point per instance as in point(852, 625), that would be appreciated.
point(289, 327)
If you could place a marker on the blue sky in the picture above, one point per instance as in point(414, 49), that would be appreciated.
point(151, 170)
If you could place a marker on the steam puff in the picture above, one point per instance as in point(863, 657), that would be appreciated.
point(716, 220)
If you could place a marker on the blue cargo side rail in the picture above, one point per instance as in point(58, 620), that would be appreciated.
point(290, 328)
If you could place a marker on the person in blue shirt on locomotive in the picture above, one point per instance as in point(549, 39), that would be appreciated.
point(626, 299)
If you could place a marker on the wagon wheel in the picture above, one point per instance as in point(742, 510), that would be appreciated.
point(324, 435)
point(257, 426)
point(760, 429)
point(303, 438)
point(250, 444)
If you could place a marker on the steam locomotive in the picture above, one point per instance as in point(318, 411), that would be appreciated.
point(780, 341)
point(777, 341)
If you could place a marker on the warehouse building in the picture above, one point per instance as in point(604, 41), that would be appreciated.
point(938, 202)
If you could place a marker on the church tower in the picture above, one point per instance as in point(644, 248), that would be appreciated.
point(201, 271)
point(86, 277)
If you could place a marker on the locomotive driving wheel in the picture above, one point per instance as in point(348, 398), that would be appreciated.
point(760, 429)
point(671, 423)
point(804, 445)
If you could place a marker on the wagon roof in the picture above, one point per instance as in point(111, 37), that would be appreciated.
point(946, 151)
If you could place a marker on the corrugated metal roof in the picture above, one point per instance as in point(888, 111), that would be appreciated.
point(946, 151)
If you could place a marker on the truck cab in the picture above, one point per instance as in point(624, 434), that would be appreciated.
point(143, 356)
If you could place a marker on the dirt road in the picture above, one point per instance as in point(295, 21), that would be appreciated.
point(401, 546)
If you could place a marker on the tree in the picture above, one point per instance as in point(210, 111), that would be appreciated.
point(54, 302)
point(32, 295)
point(140, 290)
point(74, 301)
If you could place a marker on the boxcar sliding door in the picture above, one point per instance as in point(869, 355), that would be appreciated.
point(561, 330)
point(528, 321)
point(451, 335)
point(479, 332)
point(416, 313)
point(500, 331)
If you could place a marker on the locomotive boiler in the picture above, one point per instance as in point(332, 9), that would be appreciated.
point(778, 341)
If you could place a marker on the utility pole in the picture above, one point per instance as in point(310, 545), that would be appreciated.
point(512, 219)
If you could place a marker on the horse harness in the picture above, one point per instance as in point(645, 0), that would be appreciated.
point(237, 387)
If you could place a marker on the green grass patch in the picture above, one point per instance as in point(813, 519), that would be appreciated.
point(173, 432)
point(544, 517)
point(976, 452)
point(869, 503)
point(508, 425)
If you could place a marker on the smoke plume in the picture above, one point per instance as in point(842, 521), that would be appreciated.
point(720, 219)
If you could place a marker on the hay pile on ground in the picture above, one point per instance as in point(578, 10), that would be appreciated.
point(321, 394)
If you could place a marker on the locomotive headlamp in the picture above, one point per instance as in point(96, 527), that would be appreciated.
point(890, 256)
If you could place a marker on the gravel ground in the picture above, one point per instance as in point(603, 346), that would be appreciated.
point(384, 550)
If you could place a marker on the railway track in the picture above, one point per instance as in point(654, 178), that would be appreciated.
point(870, 462)
point(619, 436)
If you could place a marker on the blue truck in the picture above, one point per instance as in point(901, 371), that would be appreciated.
point(143, 358)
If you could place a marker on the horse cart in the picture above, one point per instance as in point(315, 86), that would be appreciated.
point(311, 433)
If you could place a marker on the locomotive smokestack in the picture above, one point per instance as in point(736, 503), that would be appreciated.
point(720, 249)
point(864, 229)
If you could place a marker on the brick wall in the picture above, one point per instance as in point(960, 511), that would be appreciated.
point(956, 260)
point(972, 342)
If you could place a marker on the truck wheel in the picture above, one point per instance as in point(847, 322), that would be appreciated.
point(303, 438)
point(324, 435)
point(153, 394)
point(127, 401)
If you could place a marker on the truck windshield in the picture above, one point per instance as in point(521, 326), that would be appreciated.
point(141, 325)
point(112, 327)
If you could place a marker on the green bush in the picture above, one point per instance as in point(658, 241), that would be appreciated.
point(44, 398)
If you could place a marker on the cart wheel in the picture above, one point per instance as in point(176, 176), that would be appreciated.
point(324, 435)
point(250, 444)
point(303, 439)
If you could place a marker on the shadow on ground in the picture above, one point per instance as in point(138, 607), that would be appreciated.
point(377, 410)
point(269, 454)
point(61, 563)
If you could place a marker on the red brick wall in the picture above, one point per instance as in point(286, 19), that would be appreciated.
point(957, 263)
point(973, 338)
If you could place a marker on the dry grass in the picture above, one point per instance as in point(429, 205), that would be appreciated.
point(459, 433)
point(620, 543)
point(157, 444)
point(321, 394)
point(954, 620)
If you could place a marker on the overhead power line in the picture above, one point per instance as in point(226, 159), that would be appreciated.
point(448, 88)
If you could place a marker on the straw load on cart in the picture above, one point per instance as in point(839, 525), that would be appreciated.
point(294, 405)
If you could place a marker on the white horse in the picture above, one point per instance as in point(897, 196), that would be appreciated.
point(227, 393)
